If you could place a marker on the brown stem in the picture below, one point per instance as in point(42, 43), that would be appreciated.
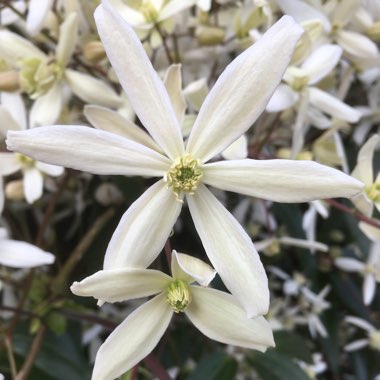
point(164, 44)
point(33, 352)
point(11, 359)
point(153, 363)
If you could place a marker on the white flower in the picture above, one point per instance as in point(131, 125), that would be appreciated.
point(232, 106)
point(216, 314)
point(373, 339)
point(13, 116)
point(19, 254)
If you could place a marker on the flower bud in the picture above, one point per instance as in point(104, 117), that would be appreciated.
point(14, 190)
point(9, 81)
point(93, 51)
point(210, 35)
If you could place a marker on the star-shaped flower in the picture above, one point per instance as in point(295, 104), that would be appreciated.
point(232, 106)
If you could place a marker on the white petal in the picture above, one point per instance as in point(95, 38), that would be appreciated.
point(321, 62)
point(88, 149)
point(51, 170)
point(37, 12)
point(369, 288)
point(14, 103)
point(356, 345)
point(173, 7)
point(198, 270)
point(14, 48)
point(33, 184)
point(92, 90)
point(230, 251)
point(68, 36)
point(19, 254)
point(237, 150)
point(145, 90)
point(371, 232)
point(302, 11)
point(173, 84)
point(362, 202)
point(280, 180)
point(363, 169)
point(332, 105)
point(349, 264)
point(9, 163)
point(1, 197)
point(242, 91)
point(143, 229)
point(359, 322)
point(47, 108)
point(357, 45)
point(133, 339)
point(285, 240)
point(283, 98)
point(117, 285)
point(196, 92)
point(111, 121)
point(217, 315)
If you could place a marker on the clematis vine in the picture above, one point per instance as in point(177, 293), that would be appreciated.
point(216, 314)
point(232, 106)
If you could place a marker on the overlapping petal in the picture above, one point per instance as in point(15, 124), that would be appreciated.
point(143, 229)
point(224, 116)
point(88, 149)
point(68, 36)
point(9, 163)
point(145, 90)
point(117, 285)
point(37, 12)
point(230, 251)
point(143, 329)
point(33, 184)
point(281, 180)
point(217, 315)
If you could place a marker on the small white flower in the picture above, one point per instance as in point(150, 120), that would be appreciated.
point(373, 339)
point(214, 313)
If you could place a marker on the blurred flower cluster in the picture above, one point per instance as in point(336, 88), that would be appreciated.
point(189, 189)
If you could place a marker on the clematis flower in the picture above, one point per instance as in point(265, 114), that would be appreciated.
point(216, 314)
point(232, 106)
point(373, 339)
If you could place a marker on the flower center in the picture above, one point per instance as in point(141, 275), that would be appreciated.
point(184, 175)
point(25, 161)
point(149, 11)
point(178, 295)
point(37, 76)
point(373, 192)
point(374, 340)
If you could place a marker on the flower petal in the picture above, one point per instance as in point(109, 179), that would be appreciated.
point(111, 121)
point(88, 149)
point(9, 163)
point(230, 251)
point(145, 90)
point(357, 45)
point(349, 264)
point(68, 37)
point(359, 322)
point(237, 150)
point(283, 98)
point(33, 184)
point(243, 90)
point(14, 104)
point(370, 231)
point(369, 288)
point(51, 170)
point(189, 268)
point(143, 229)
point(332, 105)
point(37, 12)
point(217, 315)
point(133, 339)
point(92, 90)
point(117, 285)
point(19, 254)
point(280, 180)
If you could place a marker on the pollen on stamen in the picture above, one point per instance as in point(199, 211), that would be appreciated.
point(183, 176)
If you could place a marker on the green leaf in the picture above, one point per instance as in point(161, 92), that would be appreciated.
point(274, 366)
point(217, 366)
point(292, 345)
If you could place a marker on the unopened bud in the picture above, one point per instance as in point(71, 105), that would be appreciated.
point(93, 51)
point(14, 190)
point(374, 31)
point(210, 35)
point(9, 81)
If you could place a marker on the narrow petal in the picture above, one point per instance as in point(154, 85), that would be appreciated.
point(357, 45)
point(187, 268)
point(9, 163)
point(369, 288)
point(359, 322)
point(92, 90)
point(133, 339)
point(363, 169)
point(217, 315)
point(230, 251)
point(47, 108)
point(52, 170)
point(281, 180)
point(145, 90)
point(33, 184)
point(283, 98)
point(117, 285)
point(14, 104)
point(143, 229)
point(68, 36)
point(111, 121)
point(371, 232)
point(242, 91)
point(356, 345)
point(349, 264)
point(321, 62)
point(19, 254)
point(88, 149)
point(173, 84)
point(173, 7)
point(237, 150)
point(37, 12)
